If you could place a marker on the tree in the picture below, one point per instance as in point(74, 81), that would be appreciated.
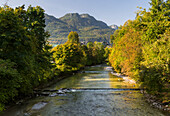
point(9, 82)
point(73, 37)
point(112, 38)
point(68, 57)
point(141, 50)
point(156, 6)
point(96, 52)
point(23, 47)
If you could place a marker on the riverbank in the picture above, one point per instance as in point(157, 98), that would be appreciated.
point(126, 78)
point(154, 101)
point(61, 75)
point(22, 99)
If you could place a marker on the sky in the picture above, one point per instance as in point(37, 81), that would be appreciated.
point(109, 11)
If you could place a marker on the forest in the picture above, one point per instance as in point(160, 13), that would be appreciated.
point(141, 49)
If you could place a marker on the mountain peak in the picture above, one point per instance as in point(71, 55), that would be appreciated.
point(114, 26)
point(82, 21)
point(87, 26)
point(87, 16)
point(71, 15)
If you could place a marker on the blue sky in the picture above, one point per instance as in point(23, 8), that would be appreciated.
point(110, 11)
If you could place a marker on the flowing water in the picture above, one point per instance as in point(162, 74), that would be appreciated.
point(95, 92)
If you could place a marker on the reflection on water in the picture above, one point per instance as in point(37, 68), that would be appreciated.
point(94, 77)
point(89, 103)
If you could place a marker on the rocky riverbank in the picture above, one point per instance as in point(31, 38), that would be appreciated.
point(154, 101)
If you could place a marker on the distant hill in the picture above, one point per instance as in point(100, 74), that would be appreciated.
point(88, 28)
point(114, 27)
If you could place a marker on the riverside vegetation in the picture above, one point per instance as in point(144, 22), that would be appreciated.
point(71, 56)
point(24, 54)
point(141, 49)
point(26, 58)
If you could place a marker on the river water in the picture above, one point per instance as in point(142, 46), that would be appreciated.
point(95, 92)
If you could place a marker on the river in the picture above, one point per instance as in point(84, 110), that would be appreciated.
point(95, 92)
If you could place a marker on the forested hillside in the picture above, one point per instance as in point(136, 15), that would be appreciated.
point(141, 48)
point(88, 28)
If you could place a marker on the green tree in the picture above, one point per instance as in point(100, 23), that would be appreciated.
point(23, 47)
point(107, 53)
point(96, 52)
point(68, 57)
point(73, 37)
point(140, 48)
point(9, 82)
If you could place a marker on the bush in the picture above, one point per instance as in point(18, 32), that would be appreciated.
point(10, 81)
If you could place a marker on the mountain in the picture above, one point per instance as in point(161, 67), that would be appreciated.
point(114, 27)
point(88, 28)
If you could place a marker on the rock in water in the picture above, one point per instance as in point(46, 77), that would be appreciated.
point(39, 105)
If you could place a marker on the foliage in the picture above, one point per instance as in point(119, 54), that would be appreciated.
point(25, 57)
point(73, 37)
point(95, 53)
point(68, 57)
point(71, 56)
point(107, 52)
point(10, 81)
point(155, 67)
point(141, 47)
point(98, 53)
point(126, 48)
